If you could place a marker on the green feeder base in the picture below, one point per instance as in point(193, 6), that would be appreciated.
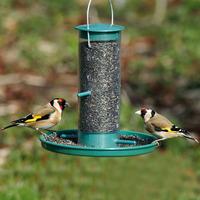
point(128, 143)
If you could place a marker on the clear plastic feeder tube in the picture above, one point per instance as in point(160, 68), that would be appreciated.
point(99, 73)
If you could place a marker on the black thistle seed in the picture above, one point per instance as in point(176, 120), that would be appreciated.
point(100, 73)
point(138, 140)
point(58, 140)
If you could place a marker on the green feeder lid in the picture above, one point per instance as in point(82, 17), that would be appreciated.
point(100, 28)
point(100, 32)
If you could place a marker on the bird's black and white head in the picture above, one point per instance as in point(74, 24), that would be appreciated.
point(146, 113)
point(59, 103)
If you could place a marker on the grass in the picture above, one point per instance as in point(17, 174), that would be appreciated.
point(39, 174)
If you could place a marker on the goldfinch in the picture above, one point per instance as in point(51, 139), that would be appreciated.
point(44, 118)
point(159, 125)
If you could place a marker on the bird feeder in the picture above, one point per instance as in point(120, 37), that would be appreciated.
point(99, 99)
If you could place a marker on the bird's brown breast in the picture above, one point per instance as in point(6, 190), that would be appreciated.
point(55, 117)
point(157, 121)
point(160, 121)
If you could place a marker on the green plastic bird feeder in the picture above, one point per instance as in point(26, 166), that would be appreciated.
point(99, 99)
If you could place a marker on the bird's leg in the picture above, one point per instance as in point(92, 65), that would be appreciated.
point(37, 129)
point(52, 131)
point(42, 129)
point(41, 132)
point(48, 130)
point(157, 141)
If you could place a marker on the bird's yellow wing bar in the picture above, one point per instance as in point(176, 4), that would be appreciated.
point(34, 119)
point(169, 130)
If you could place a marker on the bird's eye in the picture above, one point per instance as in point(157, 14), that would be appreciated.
point(143, 111)
point(153, 113)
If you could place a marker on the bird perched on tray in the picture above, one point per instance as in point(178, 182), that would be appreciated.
point(159, 125)
point(44, 118)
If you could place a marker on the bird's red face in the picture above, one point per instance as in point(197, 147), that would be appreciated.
point(143, 112)
point(59, 103)
point(146, 113)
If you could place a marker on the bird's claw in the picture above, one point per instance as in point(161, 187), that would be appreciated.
point(156, 142)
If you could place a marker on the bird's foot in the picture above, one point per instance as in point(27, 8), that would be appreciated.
point(52, 131)
point(158, 140)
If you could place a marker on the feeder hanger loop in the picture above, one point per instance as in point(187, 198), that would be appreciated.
point(88, 20)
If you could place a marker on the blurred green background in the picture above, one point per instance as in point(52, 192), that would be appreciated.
point(160, 61)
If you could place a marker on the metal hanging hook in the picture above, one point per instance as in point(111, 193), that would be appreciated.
point(88, 18)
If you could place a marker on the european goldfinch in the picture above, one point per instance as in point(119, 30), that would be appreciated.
point(159, 125)
point(44, 118)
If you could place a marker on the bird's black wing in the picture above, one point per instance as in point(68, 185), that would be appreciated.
point(31, 118)
point(42, 114)
point(23, 119)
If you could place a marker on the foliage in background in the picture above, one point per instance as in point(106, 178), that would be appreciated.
point(160, 69)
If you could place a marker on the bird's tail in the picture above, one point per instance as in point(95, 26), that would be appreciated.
point(9, 126)
point(185, 133)
point(191, 138)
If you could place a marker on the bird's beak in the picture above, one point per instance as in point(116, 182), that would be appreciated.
point(138, 112)
point(67, 104)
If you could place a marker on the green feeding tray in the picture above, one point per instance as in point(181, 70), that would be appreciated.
point(125, 144)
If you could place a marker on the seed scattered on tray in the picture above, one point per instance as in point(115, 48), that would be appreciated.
point(139, 140)
point(53, 137)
